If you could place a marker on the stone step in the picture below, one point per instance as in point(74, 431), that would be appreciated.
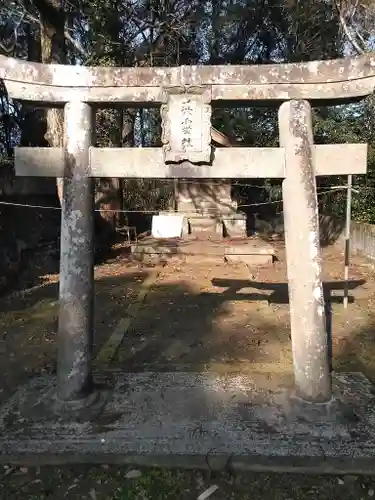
point(304, 437)
point(247, 251)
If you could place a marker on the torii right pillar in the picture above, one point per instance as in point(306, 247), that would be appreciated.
point(301, 221)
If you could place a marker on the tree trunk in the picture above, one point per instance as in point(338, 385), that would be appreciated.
point(53, 50)
point(126, 126)
point(34, 126)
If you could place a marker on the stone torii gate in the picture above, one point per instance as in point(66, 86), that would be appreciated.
point(185, 95)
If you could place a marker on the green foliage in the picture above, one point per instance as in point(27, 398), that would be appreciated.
point(159, 33)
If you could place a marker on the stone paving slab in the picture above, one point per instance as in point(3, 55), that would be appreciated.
point(196, 420)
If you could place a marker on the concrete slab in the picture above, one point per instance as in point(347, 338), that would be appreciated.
point(197, 420)
point(247, 247)
point(250, 260)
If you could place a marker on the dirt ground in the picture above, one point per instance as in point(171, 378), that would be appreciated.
point(117, 483)
point(28, 320)
point(196, 316)
point(230, 317)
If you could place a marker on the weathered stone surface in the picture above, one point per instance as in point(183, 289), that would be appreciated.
point(336, 70)
point(235, 227)
point(186, 125)
point(256, 247)
point(198, 420)
point(343, 158)
point(205, 224)
point(76, 292)
point(301, 221)
point(226, 163)
point(327, 80)
point(319, 94)
point(207, 197)
point(187, 141)
point(192, 248)
point(229, 163)
point(45, 95)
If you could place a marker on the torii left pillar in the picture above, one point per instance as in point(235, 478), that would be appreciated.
point(76, 293)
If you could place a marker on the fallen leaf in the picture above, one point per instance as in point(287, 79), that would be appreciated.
point(93, 494)
point(133, 474)
point(207, 493)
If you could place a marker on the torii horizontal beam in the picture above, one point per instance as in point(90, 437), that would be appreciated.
point(339, 79)
point(231, 163)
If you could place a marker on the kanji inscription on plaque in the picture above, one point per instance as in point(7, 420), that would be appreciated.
point(186, 122)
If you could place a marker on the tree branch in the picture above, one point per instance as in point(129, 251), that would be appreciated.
point(75, 44)
point(8, 50)
point(349, 35)
point(27, 15)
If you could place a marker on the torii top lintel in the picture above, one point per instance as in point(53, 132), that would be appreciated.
point(50, 84)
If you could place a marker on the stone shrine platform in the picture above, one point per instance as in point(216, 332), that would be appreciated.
point(206, 248)
point(198, 420)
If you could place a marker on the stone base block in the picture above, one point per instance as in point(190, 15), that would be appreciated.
point(235, 227)
point(254, 255)
point(250, 259)
point(205, 224)
point(185, 222)
point(254, 247)
point(202, 420)
point(196, 249)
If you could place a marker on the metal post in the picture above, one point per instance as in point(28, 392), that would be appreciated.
point(76, 294)
point(307, 316)
point(347, 240)
point(175, 195)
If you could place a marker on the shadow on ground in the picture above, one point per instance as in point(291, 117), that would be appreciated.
point(43, 258)
point(278, 292)
point(28, 323)
point(180, 329)
point(176, 329)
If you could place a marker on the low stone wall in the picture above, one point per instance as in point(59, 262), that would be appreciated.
point(362, 235)
point(362, 239)
point(332, 231)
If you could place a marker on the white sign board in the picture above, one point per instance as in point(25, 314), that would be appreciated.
point(167, 226)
